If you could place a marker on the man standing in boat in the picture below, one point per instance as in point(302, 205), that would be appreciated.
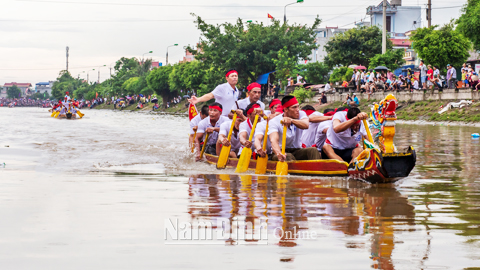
point(254, 94)
point(226, 94)
point(295, 121)
point(210, 125)
point(341, 143)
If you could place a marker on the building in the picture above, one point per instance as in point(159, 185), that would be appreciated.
point(24, 88)
point(43, 87)
point(323, 36)
point(189, 57)
point(400, 19)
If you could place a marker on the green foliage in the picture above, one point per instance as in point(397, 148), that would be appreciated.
point(355, 46)
point(315, 72)
point(469, 22)
point(13, 92)
point(392, 59)
point(65, 83)
point(341, 74)
point(250, 48)
point(441, 47)
point(284, 65)
point(39, 95)
point(158, 81)
point(302, 94)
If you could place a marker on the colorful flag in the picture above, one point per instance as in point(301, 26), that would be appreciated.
point(192, 112)
point(96, 94)
point(270, 16)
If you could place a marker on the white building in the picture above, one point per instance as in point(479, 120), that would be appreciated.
point(323, 36)
point(400, 19)
point(43, 87)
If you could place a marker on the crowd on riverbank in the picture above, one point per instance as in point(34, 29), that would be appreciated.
point(25, 102)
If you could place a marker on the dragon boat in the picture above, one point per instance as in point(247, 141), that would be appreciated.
point(380, 162)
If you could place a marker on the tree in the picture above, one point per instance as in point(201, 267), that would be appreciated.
point(392, 59)
point(284, 65)
point(315, 72)
point(355, 46)
point(13, 92)
point(341, 74)
point(441, 47)
point(157, 80)
point(469, 22)
point(251, 49)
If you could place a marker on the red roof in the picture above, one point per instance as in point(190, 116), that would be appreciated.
point(18, 84)
point(155, 64)
point(401, 42)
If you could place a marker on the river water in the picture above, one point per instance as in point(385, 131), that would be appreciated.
point(118, 190)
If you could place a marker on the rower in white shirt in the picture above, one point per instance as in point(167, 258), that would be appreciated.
point(211, 125)
point(273, 107)
point(322, 128)
point(341, 143)
point(246, 127)
point(260, 130)
point(254, 94)
point(225, 94)
point(194, 123)
point(235, 138)
point(308, 136)
point(296, 121)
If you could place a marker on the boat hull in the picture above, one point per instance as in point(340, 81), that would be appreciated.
point(372, 167)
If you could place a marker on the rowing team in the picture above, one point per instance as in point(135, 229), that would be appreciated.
point(66, 108)
point(310, 135)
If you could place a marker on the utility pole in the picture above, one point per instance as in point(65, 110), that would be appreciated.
point(98, 81)
point(384, 32)
point(67, 58)
point(429, 13)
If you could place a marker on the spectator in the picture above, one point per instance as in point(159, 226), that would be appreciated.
point(276, 89)
point(323, 99)
point(464, 78)
point(328, 87)
point(451, 77)
point(357, 80)
point(415, 84)
point(390, 75)
point(423, 74)
point(299, 78)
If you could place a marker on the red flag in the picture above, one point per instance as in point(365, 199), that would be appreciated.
point(270, 16)
point(192, 112)
point(96, 94)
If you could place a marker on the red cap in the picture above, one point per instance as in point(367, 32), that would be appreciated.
point(256, 105)
point(279, 109)
point(253, 85)
point(308, 112)
point(275, 102)
point(291, 102)
point(230, 72)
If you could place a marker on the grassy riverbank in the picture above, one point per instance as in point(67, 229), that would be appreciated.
point(408, 111)
point(424, 110)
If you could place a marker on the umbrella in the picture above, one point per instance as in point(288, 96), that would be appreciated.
point(186, 96)
point(381, 68)
point(360, 67)
point(352, 66)
point(120, 98)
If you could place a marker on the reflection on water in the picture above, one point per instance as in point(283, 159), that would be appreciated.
point(111, 174)
point(296, 205)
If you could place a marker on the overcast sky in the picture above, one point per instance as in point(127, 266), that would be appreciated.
point(34, 33)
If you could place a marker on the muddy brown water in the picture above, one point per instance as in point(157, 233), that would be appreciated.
point(120, 191)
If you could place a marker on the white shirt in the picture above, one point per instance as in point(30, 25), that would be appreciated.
point(246, 127)
point(436, 72)
point(225, 95)
point(415, 84)
point(308, 136)
point(243, 104)
point(328, 87)
point(357, 76)
point(235, 139)
point(194, 122)
point(344, 139)
point(205, 123)
point(299, 79)
point(294, 134)
point(260, 130)
point(321, 137)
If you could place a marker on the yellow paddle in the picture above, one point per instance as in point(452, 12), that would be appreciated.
point(262, 161)
point(57, 114)
point(53, 113)
point(80, 114)
point(369, 135)
point(246, 155)
point(282, 167)
point(225, 153)
point(204, 144)
point(193, 144)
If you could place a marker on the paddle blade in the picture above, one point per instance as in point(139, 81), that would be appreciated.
point(244, 160)
point(282, 168)
point(57, 114)
point(53, 113)
point(223, 157)
point(80, 114)
point(261, 165)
